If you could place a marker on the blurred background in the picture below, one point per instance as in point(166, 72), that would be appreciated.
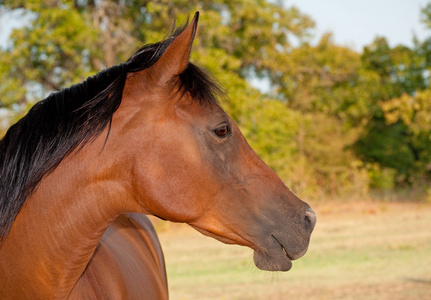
point(334, 95)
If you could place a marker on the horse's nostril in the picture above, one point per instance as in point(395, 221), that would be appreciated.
point(310, 219)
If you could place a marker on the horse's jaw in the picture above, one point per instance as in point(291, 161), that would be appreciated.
point(272, 251)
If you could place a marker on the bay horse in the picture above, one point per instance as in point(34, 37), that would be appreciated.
point(147, 137)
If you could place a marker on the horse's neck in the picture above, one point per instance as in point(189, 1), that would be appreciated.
point(60, 225)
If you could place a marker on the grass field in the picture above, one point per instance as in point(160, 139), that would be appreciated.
point(357, 251)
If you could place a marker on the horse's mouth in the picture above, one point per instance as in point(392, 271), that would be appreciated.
point(282, 247)
point(275, 258)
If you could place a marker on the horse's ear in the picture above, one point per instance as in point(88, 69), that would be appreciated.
point(176, 57)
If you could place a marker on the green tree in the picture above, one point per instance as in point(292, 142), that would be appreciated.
point(397, 137)
point(324, 85)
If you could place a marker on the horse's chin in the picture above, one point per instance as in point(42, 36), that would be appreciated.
point(278, 261)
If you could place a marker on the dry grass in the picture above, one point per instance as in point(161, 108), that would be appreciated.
point(358, 251)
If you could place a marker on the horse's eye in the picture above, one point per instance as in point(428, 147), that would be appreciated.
point(222, 131)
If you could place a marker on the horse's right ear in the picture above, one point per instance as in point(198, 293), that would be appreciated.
point(176, 57)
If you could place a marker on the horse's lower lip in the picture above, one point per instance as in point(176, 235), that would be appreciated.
point(276, 262)
point(282, 247)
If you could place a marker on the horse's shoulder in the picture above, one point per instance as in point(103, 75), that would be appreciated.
point(128, 263)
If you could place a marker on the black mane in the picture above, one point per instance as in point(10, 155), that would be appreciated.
point(57, 125)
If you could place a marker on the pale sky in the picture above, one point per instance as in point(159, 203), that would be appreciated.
point(355, 23)
point(8, 21)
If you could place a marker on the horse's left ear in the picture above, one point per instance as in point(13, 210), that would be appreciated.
point(176, 57)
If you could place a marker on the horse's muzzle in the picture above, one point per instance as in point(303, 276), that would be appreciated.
point(283, 246)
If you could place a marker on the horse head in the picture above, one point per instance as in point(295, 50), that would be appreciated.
point(192, 164)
